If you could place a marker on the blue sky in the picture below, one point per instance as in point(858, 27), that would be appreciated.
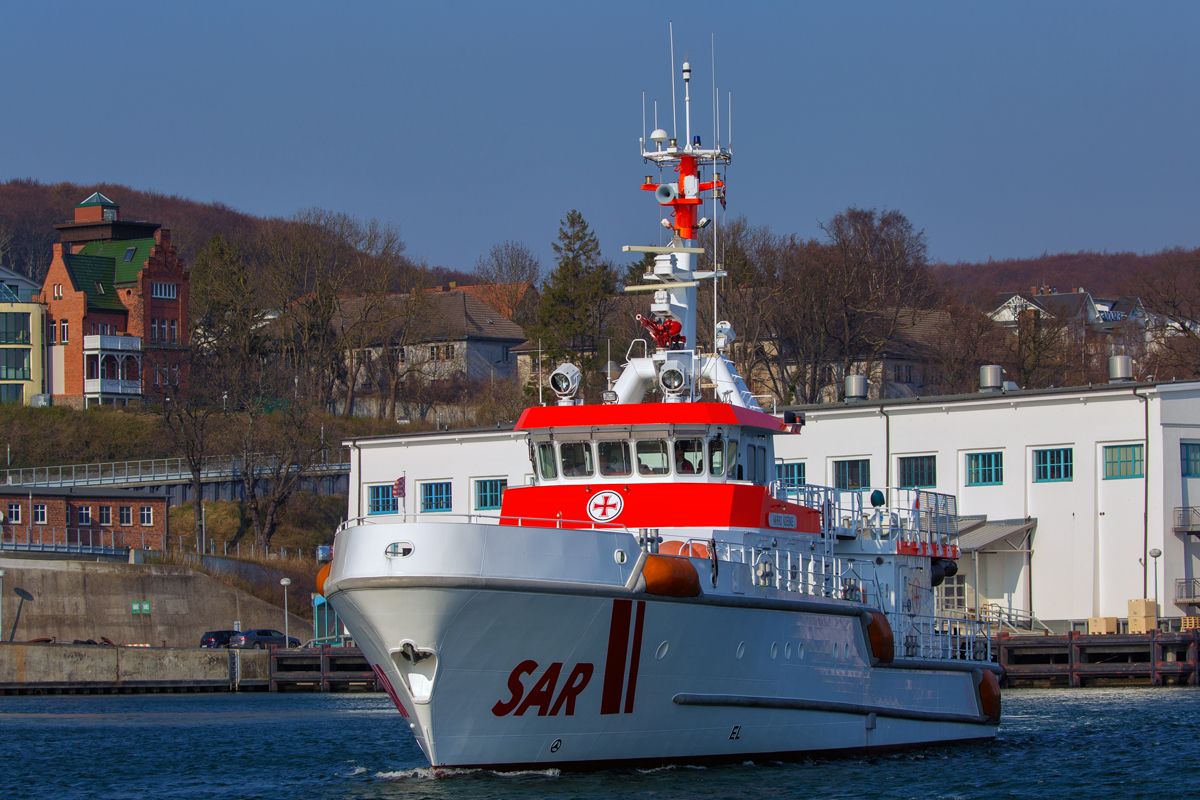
point(1003, 130)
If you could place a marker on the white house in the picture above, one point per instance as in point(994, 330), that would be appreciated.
point(1063, 493)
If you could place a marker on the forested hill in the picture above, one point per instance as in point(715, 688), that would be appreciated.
point(1101, 274)
point(29, 210)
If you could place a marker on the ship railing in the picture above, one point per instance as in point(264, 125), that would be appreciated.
point(909, 516)
point(480, 518)
point(808, 573)
point(943, 638)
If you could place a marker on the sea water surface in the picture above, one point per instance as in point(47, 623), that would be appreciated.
point(1054, 743)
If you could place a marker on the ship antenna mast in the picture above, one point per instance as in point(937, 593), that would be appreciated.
point(674, 118)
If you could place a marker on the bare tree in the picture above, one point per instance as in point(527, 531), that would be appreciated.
point(1170, 293)
point(510, 274)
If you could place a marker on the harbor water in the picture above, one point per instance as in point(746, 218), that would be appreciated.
point(1060, 743)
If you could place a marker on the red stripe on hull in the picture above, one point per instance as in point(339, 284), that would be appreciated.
point(614, 664)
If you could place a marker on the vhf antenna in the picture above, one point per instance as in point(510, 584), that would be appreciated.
point(674, 115)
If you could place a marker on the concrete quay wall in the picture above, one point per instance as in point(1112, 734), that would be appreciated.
point(28, 668)
point(90, 599)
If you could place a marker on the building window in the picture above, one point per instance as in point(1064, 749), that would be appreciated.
point(953, 593)
point(164, 291)
point(174, 336)
point(53, 332)
point(504, 351)
point(1190, 457)
point(852, 474)
point(129, 251)
point(63, 325)
point(791, 473)
point(14, 513)
point(39, 513)
point(985, 469)
point(908, 373)
point(896, 373)
point(154, 330)
point(1053, 465)
point(488, 493)
point(67, 515)
point(918, 472)
point(435, 496)
point(1124, 461)
point(106, 515)
point(14, 328)
point(14, 364)
point(58, 291)
point(109, 214)
point(147, 515)
point(13, 393)
point(85, 515)
point(126, 515)
point(381, 501)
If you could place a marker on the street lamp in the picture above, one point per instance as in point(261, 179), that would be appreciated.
point(1155, 553)
point(285, 582)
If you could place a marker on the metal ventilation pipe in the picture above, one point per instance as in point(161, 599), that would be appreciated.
point(856, 388)
point(1120, 369)
point(990, 378)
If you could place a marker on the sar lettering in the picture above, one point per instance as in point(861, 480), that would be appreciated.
point(542, 695)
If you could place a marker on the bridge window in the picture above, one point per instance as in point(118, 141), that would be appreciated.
point(1053, 465)
point(689, 456)
point(546, 466)
point(489, 493)
point(380, 500)
point(652, 458)
point(1124, 461)
point(576, 459)
point(985, 469)
point(731, 458)
point(435, 496)
point(716, 456)
point(614, 458)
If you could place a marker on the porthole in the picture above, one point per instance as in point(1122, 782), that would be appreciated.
point(661, 651)
point(800, 651)
point(741, 650)
point(774, 650)
point(787, 652)
point(835, 651)
point(399, 550)
point(620, 557)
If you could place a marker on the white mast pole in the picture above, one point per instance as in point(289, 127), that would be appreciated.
point(687, 102)
point(674, 118)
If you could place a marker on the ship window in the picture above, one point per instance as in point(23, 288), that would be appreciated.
point(576, 459)
point(689, 456)
point(731, 459)
point(652, 458)
point(614, 458)
point(546, 466)
point(716, 456)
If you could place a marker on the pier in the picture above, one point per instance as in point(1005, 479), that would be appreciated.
point(1156, 658)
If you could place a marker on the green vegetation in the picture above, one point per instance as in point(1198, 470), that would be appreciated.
point(306, 521)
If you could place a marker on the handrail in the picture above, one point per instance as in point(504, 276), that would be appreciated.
point(1187, 518)
point(1187, 590)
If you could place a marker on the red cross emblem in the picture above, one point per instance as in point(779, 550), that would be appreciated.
point(604, 506)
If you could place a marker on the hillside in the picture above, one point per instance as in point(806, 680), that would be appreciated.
point(1101, 274)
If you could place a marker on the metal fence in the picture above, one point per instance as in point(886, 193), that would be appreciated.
point(49, 539)
point(164, 470)
point(1187, 518)
point(1187, 590)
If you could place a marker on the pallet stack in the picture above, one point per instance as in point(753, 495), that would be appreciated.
point(1143, 616)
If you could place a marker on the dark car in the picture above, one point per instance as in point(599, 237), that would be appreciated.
point(217, 638)
point(258, 638)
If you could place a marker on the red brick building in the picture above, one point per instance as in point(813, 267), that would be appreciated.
point(91, 517)
point(116, 296)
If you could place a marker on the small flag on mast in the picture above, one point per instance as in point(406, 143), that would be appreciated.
point(398, 488)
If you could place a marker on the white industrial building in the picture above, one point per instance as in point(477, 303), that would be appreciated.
point(1064, 494)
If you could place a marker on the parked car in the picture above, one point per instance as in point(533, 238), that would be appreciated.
point(217, 638)
point(258, 638)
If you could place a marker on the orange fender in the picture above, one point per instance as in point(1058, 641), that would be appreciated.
point(989, 695)
point(671, 576)
point(883, 641)
point(693, 550)
point(322, 574)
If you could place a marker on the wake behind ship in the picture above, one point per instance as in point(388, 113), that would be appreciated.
point(657, 595)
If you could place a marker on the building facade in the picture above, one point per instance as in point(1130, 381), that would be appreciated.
point(22, 343)
point(116, 298)
point(88, 517)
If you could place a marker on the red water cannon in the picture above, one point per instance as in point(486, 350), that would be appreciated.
point(664, 332)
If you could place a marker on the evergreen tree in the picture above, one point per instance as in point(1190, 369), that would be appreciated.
point(578, 300)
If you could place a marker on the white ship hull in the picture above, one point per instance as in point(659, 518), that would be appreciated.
point(535, 647)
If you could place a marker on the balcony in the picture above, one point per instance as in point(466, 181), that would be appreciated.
point(94, 386)
point(109, 343)
point(1187, 591)
point(1187, 520)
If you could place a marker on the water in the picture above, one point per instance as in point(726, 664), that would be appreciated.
point(1126, 743)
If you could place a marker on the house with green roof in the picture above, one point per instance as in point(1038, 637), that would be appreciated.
point(116, 297)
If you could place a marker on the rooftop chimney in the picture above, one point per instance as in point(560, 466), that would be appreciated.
point(990, 378)
point(1120, 369)
point(856, 388)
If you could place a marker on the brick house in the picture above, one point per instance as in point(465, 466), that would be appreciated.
point(88, 517)
point(116, 296)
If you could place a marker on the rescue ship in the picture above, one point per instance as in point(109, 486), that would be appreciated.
point(657, 595)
